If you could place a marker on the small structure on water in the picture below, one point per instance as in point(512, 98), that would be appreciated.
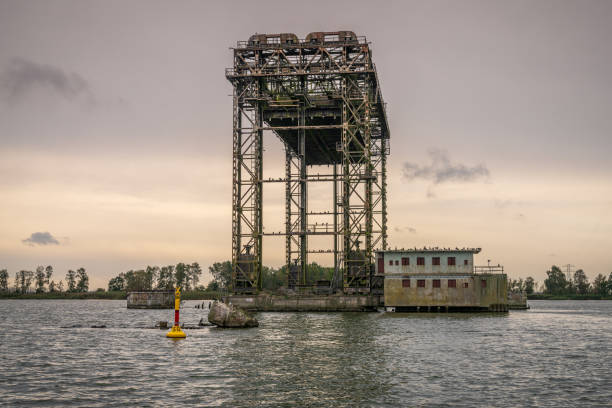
point(440, 279)
point(152, 299)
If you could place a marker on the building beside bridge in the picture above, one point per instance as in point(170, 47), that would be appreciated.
point(440, 279)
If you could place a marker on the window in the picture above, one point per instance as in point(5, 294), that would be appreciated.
point(451, 261)
point(465, 284)
point(420, 261)
point(435, 260)
point(452, 283)
point(483, 283)
point(396, 262)
point(436, 283)
point(391, 263)
point(405, 283)
point(465, 261)
point(405, 261)
point(421, 283)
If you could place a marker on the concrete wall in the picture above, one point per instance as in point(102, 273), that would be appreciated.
point(333, 303)
point(393, 262)
point(517, 300)
point(150, 300)
point(492, 296)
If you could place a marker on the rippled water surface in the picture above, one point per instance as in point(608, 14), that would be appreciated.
point(556, 354)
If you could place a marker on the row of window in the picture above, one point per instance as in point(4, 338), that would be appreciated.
point(452, 283)
point(450, 261)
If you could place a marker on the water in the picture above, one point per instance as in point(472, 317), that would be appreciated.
point(557, 354)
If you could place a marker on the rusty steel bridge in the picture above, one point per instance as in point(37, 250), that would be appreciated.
point(321, 97)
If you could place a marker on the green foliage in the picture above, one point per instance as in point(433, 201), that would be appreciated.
point(153, 277)
point(116, 284)
point(529, 285)
point(222, 274)
point(23, 281)
point(136, 281)
point(71, 280)
point(48, 274)
point(4, 277)
point(165, 281)
point(581, 282)
point(83, 280)
point(40, 279)
point(181, 276)
point(556, 283)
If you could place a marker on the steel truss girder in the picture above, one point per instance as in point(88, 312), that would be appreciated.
point(292, 84)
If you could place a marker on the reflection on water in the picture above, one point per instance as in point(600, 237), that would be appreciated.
point(556, 354)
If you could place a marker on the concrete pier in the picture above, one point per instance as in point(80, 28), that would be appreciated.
point(306, 303)
point(150, 300)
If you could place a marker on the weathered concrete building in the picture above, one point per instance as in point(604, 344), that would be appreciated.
point(150, 300)
point(440, 279)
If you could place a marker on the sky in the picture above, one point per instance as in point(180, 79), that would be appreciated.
point(116, 129)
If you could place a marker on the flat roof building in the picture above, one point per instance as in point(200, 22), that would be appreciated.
point(440, 279)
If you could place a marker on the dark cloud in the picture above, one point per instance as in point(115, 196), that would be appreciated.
point(21, 76)
point(441, 170)
point(41, 238)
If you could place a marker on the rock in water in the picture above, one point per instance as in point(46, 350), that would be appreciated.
point(223, 315)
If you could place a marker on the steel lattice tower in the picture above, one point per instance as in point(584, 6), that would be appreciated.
point(322, 98)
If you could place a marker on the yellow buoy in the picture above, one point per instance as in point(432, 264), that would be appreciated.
point(176, 332)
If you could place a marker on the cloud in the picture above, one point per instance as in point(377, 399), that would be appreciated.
point(21, 76)
point(409, 229)
point(441, 170)
point(41, 238)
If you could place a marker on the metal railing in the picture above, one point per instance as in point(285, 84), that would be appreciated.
point(488, 269)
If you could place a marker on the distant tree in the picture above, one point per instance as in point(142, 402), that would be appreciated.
point(195, 271)
point(529, 285)
point(152, 275)
point(166, 278)
point(222, 274)
point(83, 280)
point(4, 278)
point(600, 285)
point(181, 276)
point(581, 282)
point(213, 286)
point(136, 281)
point(316, 272)
point(24, 280)
point(40, 279)
point(48, 274)
point(556, 283)
point(117, 283)
point(610, 283)
point(71, 280)
point(52, 286)
point(60, 286)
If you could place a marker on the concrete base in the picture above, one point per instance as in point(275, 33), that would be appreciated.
point(150, 300)
point(306, 303)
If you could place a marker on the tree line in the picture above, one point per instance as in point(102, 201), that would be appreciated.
point(42, 281)
point(557, 283)
point(185, 275)
point(272, 279)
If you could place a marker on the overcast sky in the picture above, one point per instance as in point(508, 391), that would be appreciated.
point(115, 129)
